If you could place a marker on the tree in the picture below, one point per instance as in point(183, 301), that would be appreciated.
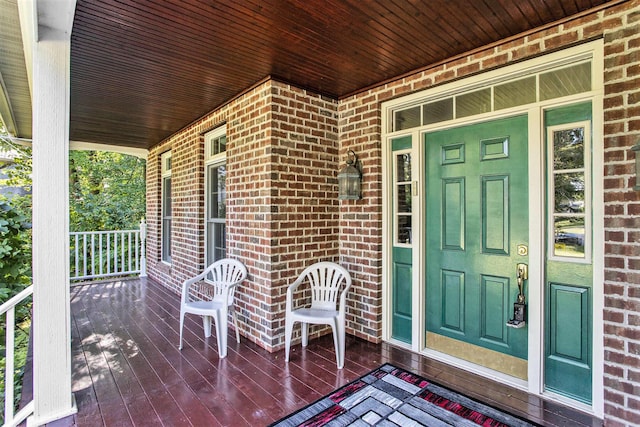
point(15, 254)
point(15, 275)
point(15, 221)
point(106, 191)
point(15, 251)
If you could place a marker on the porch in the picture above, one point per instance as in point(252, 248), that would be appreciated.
point(127, 369)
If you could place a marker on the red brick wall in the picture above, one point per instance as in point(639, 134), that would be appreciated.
point(282, 207)
point(359, 130)
point(622, 217)
point(361, 220)
point(304, 210)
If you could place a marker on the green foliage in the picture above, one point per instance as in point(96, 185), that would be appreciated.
point(15, 267)
point(15, 250)
point(19, 174)
point(15, 259)
point(15, 223)
point(107, 191)
point(21, 347)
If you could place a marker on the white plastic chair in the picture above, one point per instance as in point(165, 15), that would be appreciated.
point(326, 280)
point(225, 275)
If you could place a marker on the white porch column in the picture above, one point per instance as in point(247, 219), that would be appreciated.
point(51, 306)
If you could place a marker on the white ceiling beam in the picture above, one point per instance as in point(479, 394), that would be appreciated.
point(6, 111)
point(91, 146)
point(54, 17)
point(29, 30)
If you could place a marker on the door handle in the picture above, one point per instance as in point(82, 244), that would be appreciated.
point(519, 308)
point(522, 274)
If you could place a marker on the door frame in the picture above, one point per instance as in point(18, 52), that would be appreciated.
point(418, 293)
point(535, 383)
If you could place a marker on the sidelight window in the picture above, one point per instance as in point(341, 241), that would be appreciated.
point(403, 197)
point(568, 190)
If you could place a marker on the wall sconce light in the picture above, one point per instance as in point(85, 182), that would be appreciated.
point(636, 148)
point(350, 179)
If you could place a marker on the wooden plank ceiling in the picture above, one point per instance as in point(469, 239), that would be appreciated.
point(143, 69)
point(15, 97)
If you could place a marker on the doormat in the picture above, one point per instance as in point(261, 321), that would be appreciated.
point(390, 396)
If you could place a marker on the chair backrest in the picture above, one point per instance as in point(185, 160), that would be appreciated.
point(328, 281)
point(223, 273)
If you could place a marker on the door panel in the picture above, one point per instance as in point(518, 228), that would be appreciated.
point(453, 213)
point(401, 298)
point(569, 318)
point(569, 269)
point(476, 215)
point(495, 299)
point(495, 214)
point(453, 301)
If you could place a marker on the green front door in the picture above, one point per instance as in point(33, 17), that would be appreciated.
point(477, 233)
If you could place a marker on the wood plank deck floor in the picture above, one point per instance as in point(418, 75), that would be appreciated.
point(128, 371)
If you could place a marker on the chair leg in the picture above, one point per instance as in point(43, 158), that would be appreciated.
point(235, 324)
point(221, 333)
point(341, 342)
point(288, 330)
point(336, 342)
point(181, 327)
point(305, 333)
point(206, 324)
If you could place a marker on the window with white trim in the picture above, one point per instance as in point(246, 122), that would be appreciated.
point(215, 194)
point(569, 192)
point(402, 199)
point(166, 214)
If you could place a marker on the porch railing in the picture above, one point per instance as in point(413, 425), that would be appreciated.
point(9, 308)
point(99, 254)
point(94, 254)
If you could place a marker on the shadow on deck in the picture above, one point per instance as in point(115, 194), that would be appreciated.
point(127, 369)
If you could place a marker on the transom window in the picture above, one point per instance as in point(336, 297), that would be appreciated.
point(216, 143)
point(537, 86)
